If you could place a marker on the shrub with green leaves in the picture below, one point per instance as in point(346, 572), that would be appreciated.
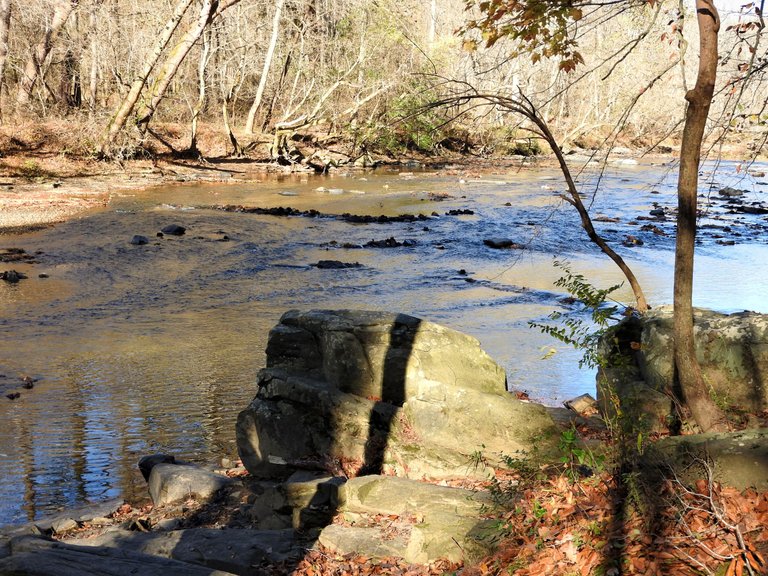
point(577, 332)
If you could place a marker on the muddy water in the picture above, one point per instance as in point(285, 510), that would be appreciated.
point(143, 349)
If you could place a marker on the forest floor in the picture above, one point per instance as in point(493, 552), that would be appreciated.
point(554, 520)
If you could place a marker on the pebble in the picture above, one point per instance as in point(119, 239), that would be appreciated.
point(63, 525)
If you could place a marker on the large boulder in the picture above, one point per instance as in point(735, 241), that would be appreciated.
point(375, 391)
point(732, 350)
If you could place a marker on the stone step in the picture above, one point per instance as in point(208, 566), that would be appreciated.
point(416, 521)
point(32, 556)
point(238, 551)
point(402, 496)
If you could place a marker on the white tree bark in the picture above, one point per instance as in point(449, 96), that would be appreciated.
point(205, 54)
point(61, 12)
point(5, 26)
point(209, 11)
point(93, 75)
point(432, 30)
point(267, 65)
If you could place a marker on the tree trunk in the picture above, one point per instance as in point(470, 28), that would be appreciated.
point(70, 87)
point(237, 150)
point(432, 27)
point(209, 11)
point(93, 74)
point(574, 199)
point(692, 386)
point(168, 71)
point(201, 93)
point(5, 26)
point(267, 64)
point(61, 12)
point(129, 102)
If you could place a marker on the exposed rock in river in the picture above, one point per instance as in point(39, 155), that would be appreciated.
point(12, 276)
point(173, 230)
point(346, 217)
point(732, 350)
point(336, 265)
point(15, 255)
point(379, 391)
point(502, 243)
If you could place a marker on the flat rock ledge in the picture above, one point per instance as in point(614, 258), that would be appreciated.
point(732, 350)
point(271, 527)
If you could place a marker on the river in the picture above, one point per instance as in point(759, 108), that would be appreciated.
point(155, 348)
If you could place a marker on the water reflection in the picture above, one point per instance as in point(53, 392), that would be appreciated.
point(156, 348)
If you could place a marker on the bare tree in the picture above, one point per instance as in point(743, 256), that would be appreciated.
point(62, 9)
point(165, 74)
point(532, 22)
point(267, 65)
point(205, 55)
point(5, 25)
point(129, 102)
point(524, 108)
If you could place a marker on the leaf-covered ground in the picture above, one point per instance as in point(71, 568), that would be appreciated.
point(601, 525)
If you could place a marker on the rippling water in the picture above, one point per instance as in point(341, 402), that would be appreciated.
point(141, 349)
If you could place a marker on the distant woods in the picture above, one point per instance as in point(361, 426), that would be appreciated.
point(130, 74)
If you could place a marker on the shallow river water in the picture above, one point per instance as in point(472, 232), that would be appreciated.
point(155, 348)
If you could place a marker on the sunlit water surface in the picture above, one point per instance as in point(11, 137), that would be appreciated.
point(143, 349)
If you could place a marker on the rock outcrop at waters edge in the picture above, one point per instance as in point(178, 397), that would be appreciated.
point(364, 392)
point(732, 350)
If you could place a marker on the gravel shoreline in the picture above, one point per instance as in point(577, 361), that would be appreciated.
point(28, 204)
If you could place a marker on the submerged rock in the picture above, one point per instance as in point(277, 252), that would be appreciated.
point(729, 192)
point(174, 230)
point(502, 243)
point(336, 265)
